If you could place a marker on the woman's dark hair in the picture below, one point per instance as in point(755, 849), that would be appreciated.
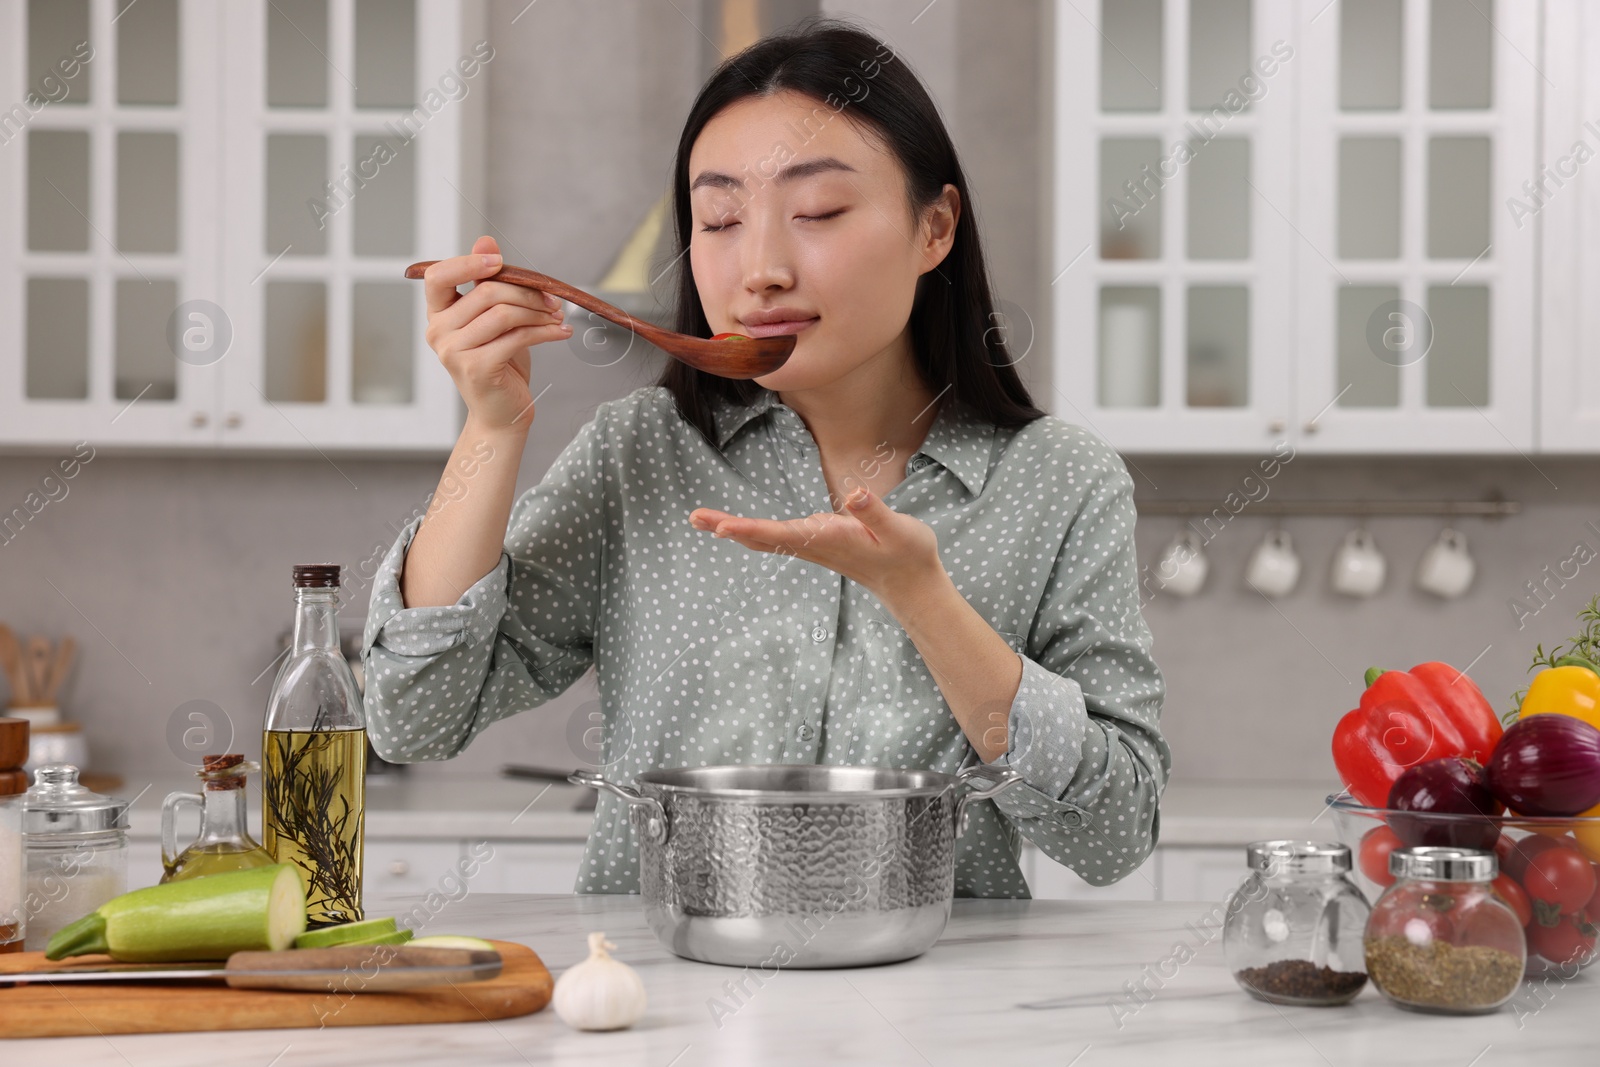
point(956, 335)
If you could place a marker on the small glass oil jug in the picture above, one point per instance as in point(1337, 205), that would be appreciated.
point(224, 843)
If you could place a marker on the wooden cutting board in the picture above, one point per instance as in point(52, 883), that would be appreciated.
point(85, 1009)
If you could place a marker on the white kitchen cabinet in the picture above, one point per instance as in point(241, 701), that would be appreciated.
point(206, 232)
point(1416, 304)
point(1173, 872)
point(1265, 209)
point(531, 867)
point(1049, 880)
point(144, 863)
point(1565, 201)
point(1201, 874)
point(1171, 285)
point(411, 867)
point(417, 867)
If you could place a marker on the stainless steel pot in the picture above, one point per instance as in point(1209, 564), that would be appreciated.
point(798, 865)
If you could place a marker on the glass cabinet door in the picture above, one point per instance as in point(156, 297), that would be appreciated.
point(342, 132)
point(1416, 295)
point(1173, 162)
point(211, 208)
point(105, 162)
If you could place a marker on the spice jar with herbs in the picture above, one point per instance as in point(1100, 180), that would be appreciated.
point(1439, 939)
point(1293, 929)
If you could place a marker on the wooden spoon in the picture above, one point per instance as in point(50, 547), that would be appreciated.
point(58, 670)
point(12, 662)
point(726, 359)
point(38, 659)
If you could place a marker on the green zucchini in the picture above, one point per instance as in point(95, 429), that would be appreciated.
point(345, 933)
point(393, 937)
point(205, 918)
point(453, 941)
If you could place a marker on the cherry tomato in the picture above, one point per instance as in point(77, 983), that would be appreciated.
point(729, 337)
point(1569, 940)
point(1507, 889)
point(1593, 907)
point(1484, 922)
point(1515, 862)
point(1419, 912)
point(1561, 877)
point(1376, 844)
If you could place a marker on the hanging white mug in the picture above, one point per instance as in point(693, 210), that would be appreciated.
point(1358, 567)
point(1274, 567)
point(1183, 565)
point(1447, 568)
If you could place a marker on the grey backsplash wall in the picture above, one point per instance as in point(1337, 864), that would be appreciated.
point(173, 572)
point(173, 575)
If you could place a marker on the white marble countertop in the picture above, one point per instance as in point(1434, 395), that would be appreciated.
point(1021, 982)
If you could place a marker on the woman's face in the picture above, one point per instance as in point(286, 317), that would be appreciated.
point(829, 246)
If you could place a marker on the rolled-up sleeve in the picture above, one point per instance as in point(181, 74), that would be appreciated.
point(522, 634)
point(1084, 727)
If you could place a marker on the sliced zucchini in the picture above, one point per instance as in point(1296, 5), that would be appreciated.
point(345, 933)
point(453, 941)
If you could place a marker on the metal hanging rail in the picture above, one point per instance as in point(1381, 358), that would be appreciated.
point(1493, 508)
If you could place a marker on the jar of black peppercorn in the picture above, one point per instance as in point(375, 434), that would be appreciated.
point(1294, 927)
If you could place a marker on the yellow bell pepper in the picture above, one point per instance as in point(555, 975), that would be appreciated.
point(1588, 833)
point(1568, 690)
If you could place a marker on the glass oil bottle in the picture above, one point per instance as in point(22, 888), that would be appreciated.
point(313, 754)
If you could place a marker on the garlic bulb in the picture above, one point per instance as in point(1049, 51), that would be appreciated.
point(600, 993)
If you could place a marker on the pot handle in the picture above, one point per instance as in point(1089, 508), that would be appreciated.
point(1003, 777)
point(647, 814)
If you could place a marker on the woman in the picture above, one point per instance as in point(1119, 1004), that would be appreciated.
point(879, 554)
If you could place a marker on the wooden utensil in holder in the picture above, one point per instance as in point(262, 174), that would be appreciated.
point(35, 669)
point(11, 663)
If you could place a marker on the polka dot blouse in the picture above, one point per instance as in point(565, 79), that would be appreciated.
point(706, 652)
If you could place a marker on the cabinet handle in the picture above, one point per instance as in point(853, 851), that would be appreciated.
point(399, 868)
point(234, 420)
point(1277, 426)
point(198, 419)
point(1311, 427)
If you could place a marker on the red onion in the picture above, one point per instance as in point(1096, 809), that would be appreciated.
point(1452, 802)
point(1547, 764)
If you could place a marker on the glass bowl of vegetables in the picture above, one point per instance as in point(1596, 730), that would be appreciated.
point(1426, 761)
point(1548, 874)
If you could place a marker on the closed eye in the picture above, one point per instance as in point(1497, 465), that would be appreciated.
point(802, 218)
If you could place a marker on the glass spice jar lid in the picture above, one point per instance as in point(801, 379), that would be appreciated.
point(1298, 857)
point(1443, 863)
point(58, 805)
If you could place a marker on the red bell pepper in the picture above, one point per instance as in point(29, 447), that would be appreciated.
point(1406, 718)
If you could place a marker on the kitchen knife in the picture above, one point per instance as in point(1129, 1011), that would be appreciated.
point(342, 969)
